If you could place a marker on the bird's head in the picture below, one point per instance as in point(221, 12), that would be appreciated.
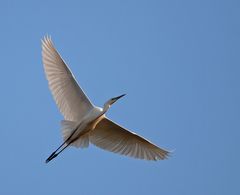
point(111, 101)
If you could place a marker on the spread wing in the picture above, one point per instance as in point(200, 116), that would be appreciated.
point(112, 137)
point(70, 98)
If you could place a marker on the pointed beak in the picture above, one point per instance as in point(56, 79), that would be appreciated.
point(118, 97)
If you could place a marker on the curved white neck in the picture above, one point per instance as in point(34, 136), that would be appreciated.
point(106, 107)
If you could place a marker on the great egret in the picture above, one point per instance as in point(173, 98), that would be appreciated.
point(83, 122)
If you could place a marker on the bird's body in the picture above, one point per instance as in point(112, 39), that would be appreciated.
point(86, 123)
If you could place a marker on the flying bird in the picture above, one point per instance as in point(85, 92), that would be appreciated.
point(86, 123)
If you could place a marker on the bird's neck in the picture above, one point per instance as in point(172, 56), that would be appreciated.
point(105, 108)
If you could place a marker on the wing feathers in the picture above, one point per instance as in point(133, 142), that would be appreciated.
point(69, 97)
point(112, 137)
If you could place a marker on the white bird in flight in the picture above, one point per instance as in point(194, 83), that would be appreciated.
point(83, 122)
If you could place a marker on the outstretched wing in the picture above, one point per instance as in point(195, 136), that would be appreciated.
point(112, 137)
point(70, 98)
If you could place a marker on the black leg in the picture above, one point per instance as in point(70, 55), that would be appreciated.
point(54, 154)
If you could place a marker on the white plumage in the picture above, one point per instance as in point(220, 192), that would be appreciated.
point(70, 98)
point(85, 122)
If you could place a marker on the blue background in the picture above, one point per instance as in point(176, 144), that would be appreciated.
point(179, 63)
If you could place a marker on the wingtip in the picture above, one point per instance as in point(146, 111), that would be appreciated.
point(46, 38)
point(168, 153)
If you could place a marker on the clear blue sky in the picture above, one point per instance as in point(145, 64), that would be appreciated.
point(179, 63)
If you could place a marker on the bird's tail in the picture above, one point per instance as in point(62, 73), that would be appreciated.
point(67, 129)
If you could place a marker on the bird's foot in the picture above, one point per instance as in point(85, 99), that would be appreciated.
point(52, 156)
